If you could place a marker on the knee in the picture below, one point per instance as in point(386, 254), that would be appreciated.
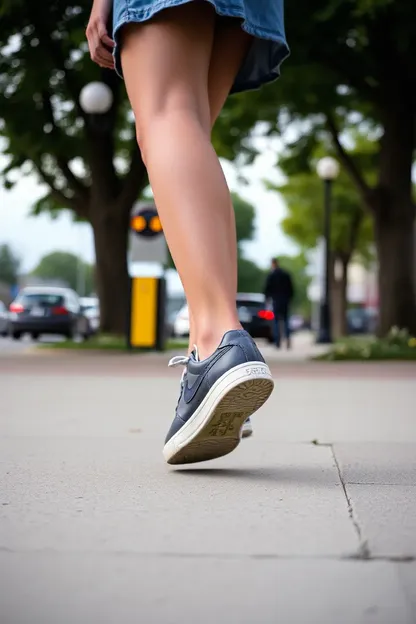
point(170, 123)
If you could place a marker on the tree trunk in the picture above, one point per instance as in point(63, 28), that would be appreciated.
point(339, 301)
point(111, 229)
point(396, 275)
point(394, 214)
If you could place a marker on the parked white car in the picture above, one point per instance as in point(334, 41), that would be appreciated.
point(91, 310)
point(181, 323)
point(4, 320)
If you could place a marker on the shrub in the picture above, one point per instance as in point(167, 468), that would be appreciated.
point(397, 345)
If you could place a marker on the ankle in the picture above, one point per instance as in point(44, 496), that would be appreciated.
point(207, 341)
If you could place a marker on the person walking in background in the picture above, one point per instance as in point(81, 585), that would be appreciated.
point(279, 288)
point(180, 59)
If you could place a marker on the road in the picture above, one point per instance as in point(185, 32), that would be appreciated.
point(312, 520)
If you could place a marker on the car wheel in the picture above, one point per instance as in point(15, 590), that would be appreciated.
point(35, 336)
point(74, 334)
point(86, 335)
point(70, 334)
point(16, 335)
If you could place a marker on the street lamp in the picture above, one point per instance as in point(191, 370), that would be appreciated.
point(327, 169)
point(96, 98)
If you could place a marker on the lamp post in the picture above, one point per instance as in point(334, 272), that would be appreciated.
point(328, 170)
point(96, 99)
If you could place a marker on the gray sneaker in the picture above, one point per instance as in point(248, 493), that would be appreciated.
point(217, 396)
point(247, 429)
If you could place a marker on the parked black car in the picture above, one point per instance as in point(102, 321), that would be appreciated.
point(255, 316)
point(47, 310)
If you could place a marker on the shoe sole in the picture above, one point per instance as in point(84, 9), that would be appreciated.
point(214, 429)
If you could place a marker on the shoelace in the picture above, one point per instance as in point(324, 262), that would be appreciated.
point(180, 360)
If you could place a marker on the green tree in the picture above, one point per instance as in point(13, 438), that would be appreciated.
point(65, 266)
point(351, 230)
point(9, 266)
point(357, 59)
point(90, 164)
point(251, 278)
point(352, 66)
point(244, 219)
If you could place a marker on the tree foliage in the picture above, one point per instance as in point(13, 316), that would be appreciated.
point(244, 219)
point(9, 266)
point(351, 227)
point(67, 267)
point(43, 67)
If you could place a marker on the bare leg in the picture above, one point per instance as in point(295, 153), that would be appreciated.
point(166, 65)
point(229, 48)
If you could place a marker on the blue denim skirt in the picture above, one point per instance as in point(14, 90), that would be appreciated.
point(261, 18)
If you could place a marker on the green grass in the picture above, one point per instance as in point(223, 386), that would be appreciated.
point(103, 342)
point(397, 346)
point(358, 340)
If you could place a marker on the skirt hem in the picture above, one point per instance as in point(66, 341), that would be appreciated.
point(141, 15)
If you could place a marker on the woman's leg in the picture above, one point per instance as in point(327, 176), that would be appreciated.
point(229, 48)
point(166, 67)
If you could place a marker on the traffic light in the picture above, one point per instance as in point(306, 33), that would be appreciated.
point(146, 222)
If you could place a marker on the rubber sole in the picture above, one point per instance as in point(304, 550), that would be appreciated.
point(214, 429)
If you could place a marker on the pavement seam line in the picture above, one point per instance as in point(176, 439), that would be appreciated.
point(363, 548)
point(224, 557)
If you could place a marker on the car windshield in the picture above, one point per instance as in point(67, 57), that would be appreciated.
point(44, 300)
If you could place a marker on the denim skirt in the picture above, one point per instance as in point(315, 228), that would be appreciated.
point(261, 18)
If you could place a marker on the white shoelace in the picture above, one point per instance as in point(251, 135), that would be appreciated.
point(180, 360)
point(183, 360)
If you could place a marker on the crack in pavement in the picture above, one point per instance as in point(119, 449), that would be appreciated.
point(363, 551)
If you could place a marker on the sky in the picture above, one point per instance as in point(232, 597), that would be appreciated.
point(33, 237)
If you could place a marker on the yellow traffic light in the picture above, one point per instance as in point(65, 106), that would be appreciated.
point(138, 223)
point(155, 224)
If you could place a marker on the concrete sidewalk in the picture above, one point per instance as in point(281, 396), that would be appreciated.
point(303, 348)
point(312, 520)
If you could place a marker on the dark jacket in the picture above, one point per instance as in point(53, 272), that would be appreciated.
point(279, 286)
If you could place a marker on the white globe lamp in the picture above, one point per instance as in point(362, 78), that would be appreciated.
point(327, 168)
point(96, 98)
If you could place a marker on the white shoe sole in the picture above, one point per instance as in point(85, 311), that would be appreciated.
point(215, 427)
